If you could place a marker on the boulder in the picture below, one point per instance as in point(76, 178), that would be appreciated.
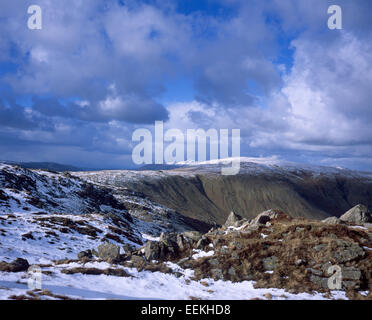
point(109, 252)
point(358, 215)
point(193, 235)
point(332, 221)
point(152, 250)
point(266, 216)
point(17, 265)
point(169, 239)
point(137, 261)
point(232, 219)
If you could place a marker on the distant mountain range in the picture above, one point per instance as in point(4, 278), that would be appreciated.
point(199, 191)
point(52, 166)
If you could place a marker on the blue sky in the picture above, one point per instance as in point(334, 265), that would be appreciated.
point(75, 91)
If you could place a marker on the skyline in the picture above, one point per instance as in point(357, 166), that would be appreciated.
point(75, 91)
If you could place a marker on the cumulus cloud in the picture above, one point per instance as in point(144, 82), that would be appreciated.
point(96, 72)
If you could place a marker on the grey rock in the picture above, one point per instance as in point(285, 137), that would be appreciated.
point(109, 252)
point(235, 256)
point(185, 263)
point(193, 235)
point(232, 219)
point(320, 247)
point(320, 281)
point(202, 243)
point(347, 251)
point(316, 272)
point(181, 243)
point(169, 239)
point(351, 273)
point(350, 284)
point(358, 215)
point(137, 261)
point(332, 221)
point(231, 272)
point(217, 274)
point(224, 250)
point(213, 262)
point(270, 263)
point(152, 250)
point(236, 245)
point(265, 217)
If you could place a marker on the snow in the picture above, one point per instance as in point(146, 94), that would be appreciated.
point(201, 254)
point(145, 285)
point(150, 238)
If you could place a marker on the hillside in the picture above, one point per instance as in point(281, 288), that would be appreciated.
point(199, 191)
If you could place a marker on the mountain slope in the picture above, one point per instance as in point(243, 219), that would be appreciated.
point(199, 191)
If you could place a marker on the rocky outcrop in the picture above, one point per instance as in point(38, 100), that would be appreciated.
point(274, 250)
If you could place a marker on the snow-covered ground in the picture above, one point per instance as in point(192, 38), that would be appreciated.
point(144, 285)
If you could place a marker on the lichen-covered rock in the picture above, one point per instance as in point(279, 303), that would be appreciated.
point(108, 252)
